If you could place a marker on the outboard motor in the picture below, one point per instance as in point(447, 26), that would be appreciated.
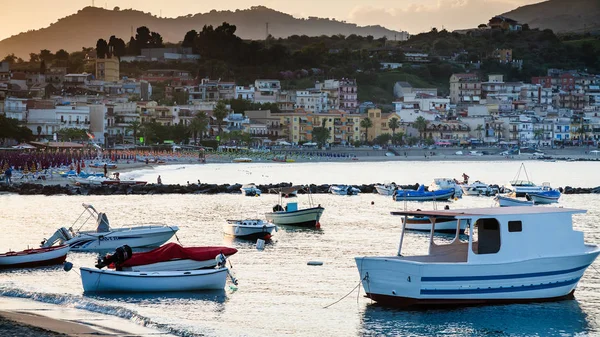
point(60, 236)
point(277, 208)
point(120, 255)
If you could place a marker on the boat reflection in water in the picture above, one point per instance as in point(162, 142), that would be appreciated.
point(564, 318)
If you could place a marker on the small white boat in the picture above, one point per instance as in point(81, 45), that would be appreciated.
point(104, 280)
point(545, 197)
point(511, 256)
point(250, 190)
point(522, 187)
point(478, 188)
point(249, 229)
point(34, 257)
point(344, 190)
point(507, 201)
point(291, 215)
point(242, 160)
point(444, 184)
point(107, 238)
point(386, 189)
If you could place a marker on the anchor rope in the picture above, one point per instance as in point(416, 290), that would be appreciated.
point(349, 293)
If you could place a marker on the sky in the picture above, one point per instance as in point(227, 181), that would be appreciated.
point(414, 16)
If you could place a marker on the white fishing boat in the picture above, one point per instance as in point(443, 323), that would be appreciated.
point(444, 184)
point(291, 215)
point(545, 197)
point(250, 190)
point(249, 229)
point(511, 201)
point(107, 238)
point(34, 257)
point(386, 189)
point(344, 190)
point(521, 187)
point(511, 256)
point(478, 188)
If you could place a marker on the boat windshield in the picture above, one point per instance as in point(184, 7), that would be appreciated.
point(522, 183)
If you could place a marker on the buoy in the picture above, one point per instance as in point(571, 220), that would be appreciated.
point(315, 263)
point(67, 266)
point(260, 244)
point(318, 225)
point(267, 237)
point(372, 202)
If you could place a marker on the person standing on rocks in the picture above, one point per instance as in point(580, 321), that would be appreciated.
point(158, 180)
point(105, 171)
point(8, 176)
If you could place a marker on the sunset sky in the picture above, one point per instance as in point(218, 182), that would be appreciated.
point(413, 16)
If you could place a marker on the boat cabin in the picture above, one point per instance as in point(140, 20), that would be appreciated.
point(499, 234)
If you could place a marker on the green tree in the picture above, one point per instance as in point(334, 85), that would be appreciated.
point(383, 139)
point(134, 127)
point(199, 125)
point(71, 134)
point(398, 138)
point(10, 58)
point(538, 134)
point(321, 134)
point(394, 124)
point(366, 124)
point(102, 49)
point(421, 125)
point(220, 112)
point(479, 130)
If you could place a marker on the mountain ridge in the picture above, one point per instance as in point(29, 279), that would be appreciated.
point(90, 25)
point(562, 16)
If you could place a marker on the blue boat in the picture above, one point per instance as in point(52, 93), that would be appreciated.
point(544, 197)
point(421, 195)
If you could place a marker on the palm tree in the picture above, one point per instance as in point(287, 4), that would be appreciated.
point(538, 134)
point(134, 127)
point(420, 124)
point(394, 124)
point(479, 130)
point(366, 124)
point(220, 112)
point(199, 125)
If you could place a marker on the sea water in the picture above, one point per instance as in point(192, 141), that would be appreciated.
point(278, 293)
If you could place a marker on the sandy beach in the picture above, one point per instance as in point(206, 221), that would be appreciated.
point(26, 318)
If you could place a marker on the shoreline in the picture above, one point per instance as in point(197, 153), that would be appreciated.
point(26, 317)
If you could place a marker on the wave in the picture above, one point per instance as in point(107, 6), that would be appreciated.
point(82, 303)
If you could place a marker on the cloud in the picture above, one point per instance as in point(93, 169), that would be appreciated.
point(449, 14)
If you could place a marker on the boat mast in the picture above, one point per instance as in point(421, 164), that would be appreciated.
point(402, 235)
point(432, 219)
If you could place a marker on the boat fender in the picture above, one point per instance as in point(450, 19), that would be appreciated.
point(260, 244)
point(408, 279)
point(67, 266)
point(318, 225)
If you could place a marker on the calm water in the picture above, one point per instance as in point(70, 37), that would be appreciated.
point(278, 294)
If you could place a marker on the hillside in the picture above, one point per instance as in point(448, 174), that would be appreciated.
point(560, 15)
point(85, 27)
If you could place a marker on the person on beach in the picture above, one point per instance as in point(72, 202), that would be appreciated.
point(465, 178)
point(105, 171)
point(158, 180)
point(8, 176)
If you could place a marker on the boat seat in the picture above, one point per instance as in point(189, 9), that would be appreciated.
point(102, 224)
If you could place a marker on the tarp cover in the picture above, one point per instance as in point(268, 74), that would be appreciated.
point(173, 251)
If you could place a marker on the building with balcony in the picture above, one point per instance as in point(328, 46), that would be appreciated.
point(312, 100)
point(465, 89)
point(119, 117)
point(243, 92)
point(15, 108)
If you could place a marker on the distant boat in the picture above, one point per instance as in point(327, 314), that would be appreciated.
point(444, 184)
point(291, 215)
point(386, 189)
point(478, 188)
point(34, 257)
point(344, 190)
point(506, 201)
point(522, 187)
point(421, 195)
point(250, 190)
point(544, 197)
point(242, 160)
point(249, 229)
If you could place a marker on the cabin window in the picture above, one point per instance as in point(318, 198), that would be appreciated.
point(515, 226)
point(488, 237)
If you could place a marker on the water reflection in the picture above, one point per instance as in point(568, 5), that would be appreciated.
point(538, 319)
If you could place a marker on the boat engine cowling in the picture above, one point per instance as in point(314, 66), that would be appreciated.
point(120, 255)
point(61, 236)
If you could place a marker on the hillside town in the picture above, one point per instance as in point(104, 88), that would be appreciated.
point(560, 109)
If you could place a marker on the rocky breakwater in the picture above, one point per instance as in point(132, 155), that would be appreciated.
point(150, 189)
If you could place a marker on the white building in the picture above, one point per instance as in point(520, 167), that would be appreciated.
point(15, 108)
point(242, 92)
point(119, 116)
point(312, 100)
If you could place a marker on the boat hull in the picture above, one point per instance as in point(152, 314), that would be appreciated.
point(308, 217)
point(136, 237)
point(102, 280)
point(398, 281)
point(427, 196)
point(512, 202)
point(34, 257)
point(385, 190)
point(249, 232)
point(542, 199)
